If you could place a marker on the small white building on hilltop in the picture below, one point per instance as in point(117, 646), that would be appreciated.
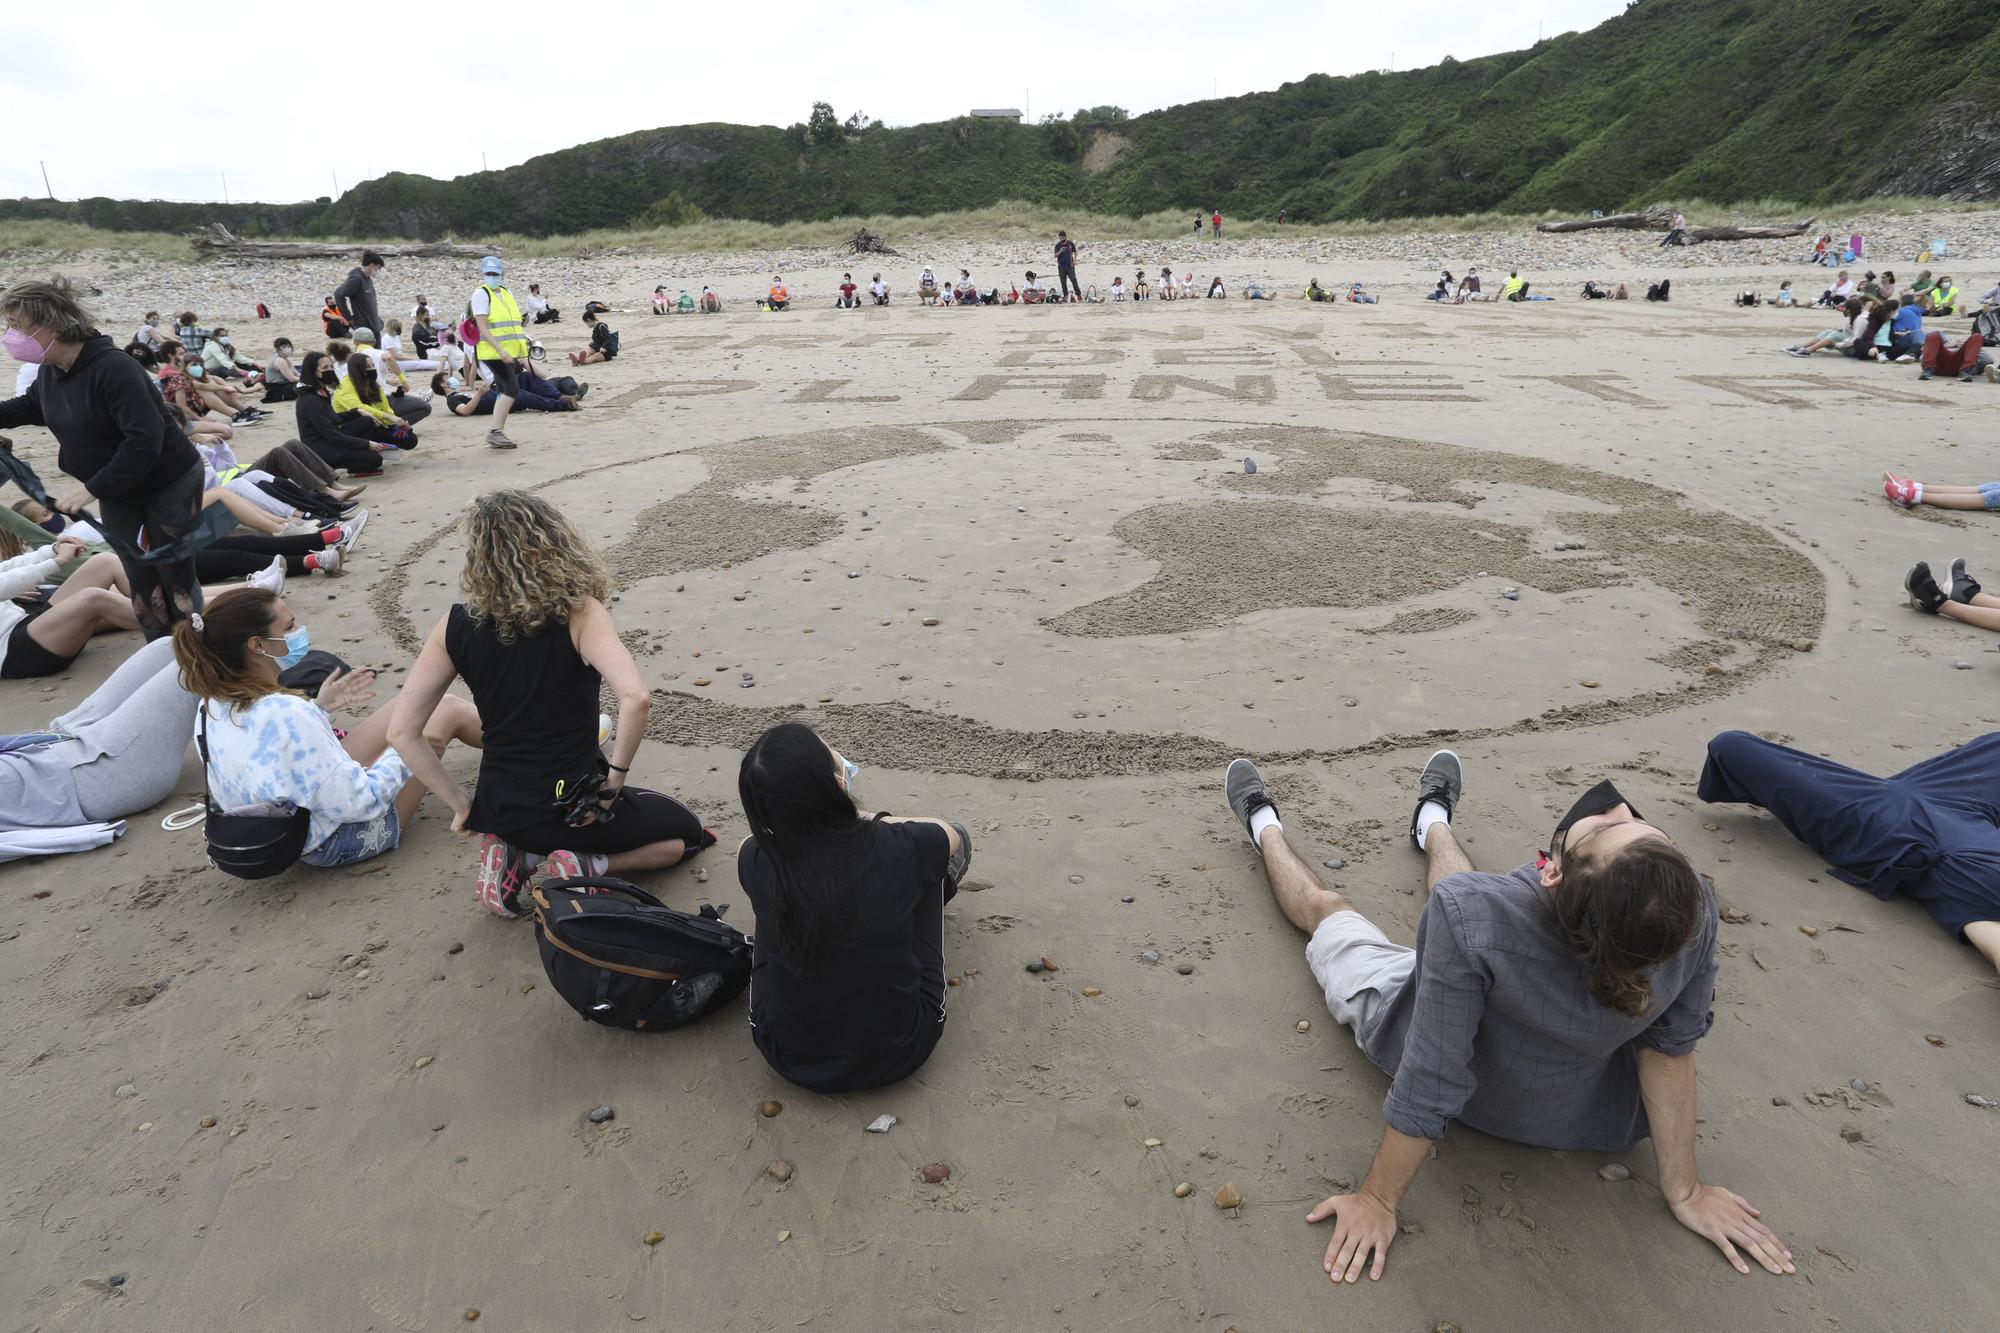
point(995, 113)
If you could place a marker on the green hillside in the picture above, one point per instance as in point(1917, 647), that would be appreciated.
point(1717, 99)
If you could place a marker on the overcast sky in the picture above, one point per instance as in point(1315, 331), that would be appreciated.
point(141, 100)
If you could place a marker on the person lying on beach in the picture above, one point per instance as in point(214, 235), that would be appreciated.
point(847, 976)
point(536, 645)
point(479, 400)
point(603, 342)
point(1315, 292)
point(1909, 493)
point(1253, 290)
point(1960, 598)
point(115, 754)
point(1930, 834)
point(1963, 359)
point(1360, 297)
point(1557, 1005)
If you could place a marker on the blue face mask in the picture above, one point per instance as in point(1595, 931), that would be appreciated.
point(455, 382)
point(296, 644)
point(54, 523)
point(195, 372)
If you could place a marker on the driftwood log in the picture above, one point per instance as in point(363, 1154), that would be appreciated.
point(866, 242)
point(1662, 219)
point(217, 242)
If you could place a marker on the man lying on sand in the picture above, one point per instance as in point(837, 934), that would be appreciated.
point(1558, 1005)
point(1931, 833)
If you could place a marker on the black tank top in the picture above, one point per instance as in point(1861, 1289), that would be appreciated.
point(537, 701)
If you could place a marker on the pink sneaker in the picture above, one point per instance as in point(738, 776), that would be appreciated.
point(503, 870)
point(561, 864)
point(1901, 491)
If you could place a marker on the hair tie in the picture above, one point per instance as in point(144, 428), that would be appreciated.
point(194, 618)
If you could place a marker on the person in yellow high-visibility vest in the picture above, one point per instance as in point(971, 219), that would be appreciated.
point(502, 343)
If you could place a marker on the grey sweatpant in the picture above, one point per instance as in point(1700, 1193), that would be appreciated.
point(132, 735)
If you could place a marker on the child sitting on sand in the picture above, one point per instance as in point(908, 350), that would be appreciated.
point(1036, 292)
point(1118, 288)
point(1216, 292)
point(603, 342)
point(710, 302)
point(660, 303)
point(1140, 291)
point(684, 304)
point(879, 290)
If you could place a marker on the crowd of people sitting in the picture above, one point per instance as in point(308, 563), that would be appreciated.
point(1557, 1005)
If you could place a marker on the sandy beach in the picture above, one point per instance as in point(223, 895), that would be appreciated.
point(399, 1101)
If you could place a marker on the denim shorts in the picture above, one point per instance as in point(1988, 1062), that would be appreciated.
point(1989, 491)
point(357, 842)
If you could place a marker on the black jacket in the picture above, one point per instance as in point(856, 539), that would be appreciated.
point(356, 300)
point(317, 426)
point(112, 429)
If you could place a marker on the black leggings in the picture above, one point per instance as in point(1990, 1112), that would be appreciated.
point(359, 458)
point(644, 817)
point(239, 557)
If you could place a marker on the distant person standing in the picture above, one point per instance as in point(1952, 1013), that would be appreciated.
point(1066, 265)
point(355, 298)
point(502, 344)
point(1215, 225)
point(113, 434)
point(1197, 226)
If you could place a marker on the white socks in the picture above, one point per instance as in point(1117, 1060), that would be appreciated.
point(1429, 813)
point(1263, 817)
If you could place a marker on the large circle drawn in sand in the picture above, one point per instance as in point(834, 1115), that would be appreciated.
point(1348, 516)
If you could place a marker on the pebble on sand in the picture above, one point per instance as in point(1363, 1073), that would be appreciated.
point(780, 1170)
point(424, 1061)
point(1983, 1103)
point(1091, 992)
point(1334, 863)
point(937, 1173)
point(1152, 1143)
point(471, 1315)
point(1182, 1190)
point(770, 1109)
point(1614, 1172)
point(1305, 1025)
point(1934, 1038)
point(456, 947)
point(655, 1237)
point(1185, 969)
point(126, 1090)
point(1228, 1197)
point(602, 1114)
point(208, 1122)
point(1130, 1100)
point(1148, 956)
point(1034, 965)
point(930, 620)
point(881, 1124)
point(1809, 931)
point(784, 1236)
point(1588, 684)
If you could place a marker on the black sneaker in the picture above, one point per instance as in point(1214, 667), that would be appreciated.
point(1959, 585)
point(1925, 595)
point(1443, 781)
point(1243, 788)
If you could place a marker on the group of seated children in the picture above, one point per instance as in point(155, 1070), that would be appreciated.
point(684, 304)
point(1891, 329)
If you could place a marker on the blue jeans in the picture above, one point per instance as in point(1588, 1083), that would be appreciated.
point(357, 842)
point(1931, 833)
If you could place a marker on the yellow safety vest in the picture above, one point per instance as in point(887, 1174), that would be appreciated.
point(503, 326)
point(1943, 298)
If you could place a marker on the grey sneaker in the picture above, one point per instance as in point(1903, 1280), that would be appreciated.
point(350, 529)
point(498, 439)
point(1992, 373)
point(1960, 586)
point(1443, 781)
point(326, 563)
point(1243, 787)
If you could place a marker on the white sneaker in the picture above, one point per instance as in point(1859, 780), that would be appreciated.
point(326, 563)
point(351, 529)
point(271, 579)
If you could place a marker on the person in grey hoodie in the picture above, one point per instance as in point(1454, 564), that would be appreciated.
point(355, 297)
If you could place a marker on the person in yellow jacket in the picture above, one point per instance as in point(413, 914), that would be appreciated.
point(1516, 288)
point(502, 343)
point(1942, 299)
point(779, 297)
point(360, 395)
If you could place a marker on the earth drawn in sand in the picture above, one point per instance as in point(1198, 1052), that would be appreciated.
point(1414, 527)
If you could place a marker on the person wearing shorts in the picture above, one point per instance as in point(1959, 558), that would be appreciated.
point(1909, 493)
point(1554, 1006)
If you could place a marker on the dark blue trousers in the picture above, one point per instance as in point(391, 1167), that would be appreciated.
point(1931, 833)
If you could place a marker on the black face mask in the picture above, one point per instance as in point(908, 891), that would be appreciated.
point(54, 523)
point(1596, 801)
point(329, 379)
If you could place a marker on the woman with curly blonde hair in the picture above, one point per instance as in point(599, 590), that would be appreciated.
point(534, 641)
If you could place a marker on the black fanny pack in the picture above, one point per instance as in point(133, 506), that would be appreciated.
point(257, 841)
point(623, 958)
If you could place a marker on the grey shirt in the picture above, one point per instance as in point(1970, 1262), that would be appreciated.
point(1495, 1027)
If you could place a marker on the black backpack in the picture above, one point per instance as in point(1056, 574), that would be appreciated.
point(1987, 325)
point(623, 958)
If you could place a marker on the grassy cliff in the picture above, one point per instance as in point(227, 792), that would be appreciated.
point(1717, 99)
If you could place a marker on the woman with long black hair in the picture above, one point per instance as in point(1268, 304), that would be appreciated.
point(847, 974)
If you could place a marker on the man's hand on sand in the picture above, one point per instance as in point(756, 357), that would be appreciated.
point(1362, 1224)
point(1728, 1220)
